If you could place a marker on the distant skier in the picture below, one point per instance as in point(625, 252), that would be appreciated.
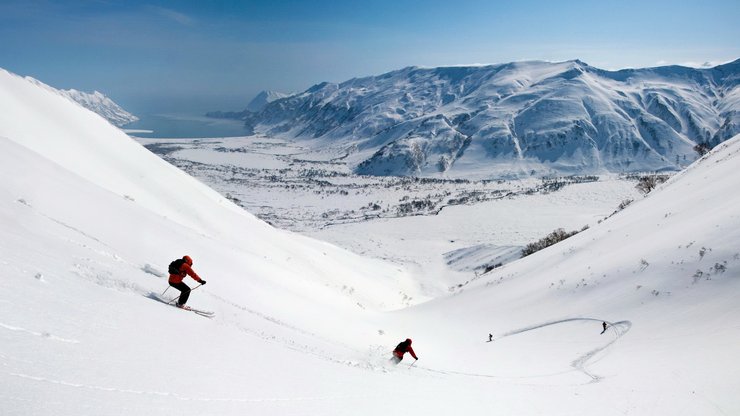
point(603, 324)
point(490, 337)
point(178, 270)
point(401, 349)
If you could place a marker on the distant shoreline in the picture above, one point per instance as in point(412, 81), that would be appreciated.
point(183, 126)
point(137, 131)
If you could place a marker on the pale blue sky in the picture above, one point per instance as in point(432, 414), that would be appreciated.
point(205, 55)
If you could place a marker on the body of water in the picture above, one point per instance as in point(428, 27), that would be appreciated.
point(185, 126)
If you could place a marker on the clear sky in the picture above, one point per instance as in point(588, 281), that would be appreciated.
point(209, 55)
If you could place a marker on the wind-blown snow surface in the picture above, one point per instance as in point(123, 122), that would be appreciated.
point(513, 119)
point(90, 219)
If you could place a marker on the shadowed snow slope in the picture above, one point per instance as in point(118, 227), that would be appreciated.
point(90, 220)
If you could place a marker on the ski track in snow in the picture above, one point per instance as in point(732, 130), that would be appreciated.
point(620, 328)
point(286, 342)
point(23, 201)
point(39, 334)
point(580, 364)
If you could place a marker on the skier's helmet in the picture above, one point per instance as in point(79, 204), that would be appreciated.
point(408, 340)
point(188, 260)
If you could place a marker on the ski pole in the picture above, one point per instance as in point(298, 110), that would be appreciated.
point(178, 296)
point(165, 291)
point(412, 364)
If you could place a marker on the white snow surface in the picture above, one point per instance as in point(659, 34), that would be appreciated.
point(90, 220)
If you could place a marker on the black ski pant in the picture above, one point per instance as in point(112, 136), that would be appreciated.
point(184, 292)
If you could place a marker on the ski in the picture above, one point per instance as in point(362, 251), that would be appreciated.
point(207, 314)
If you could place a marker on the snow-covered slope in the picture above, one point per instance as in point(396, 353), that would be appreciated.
point(63, 142)
point(666, 273)
point(98, 103)
point(90, 219)
point(514, 119)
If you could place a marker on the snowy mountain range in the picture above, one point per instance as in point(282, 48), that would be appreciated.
point(90, 219)
point(102, 105)
point(514, 119)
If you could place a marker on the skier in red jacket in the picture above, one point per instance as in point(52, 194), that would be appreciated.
point(403, 348)
point(183, 268)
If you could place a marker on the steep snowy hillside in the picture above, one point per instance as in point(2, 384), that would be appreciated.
point(514, 119)
point(98, 103)
point(65, 141)
point(664, 274)
point(90, 220)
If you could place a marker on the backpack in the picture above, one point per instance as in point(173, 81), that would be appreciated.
point(174, 267)
point(401, 347)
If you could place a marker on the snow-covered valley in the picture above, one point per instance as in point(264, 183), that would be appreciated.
point(445, 230)
point(91, 219)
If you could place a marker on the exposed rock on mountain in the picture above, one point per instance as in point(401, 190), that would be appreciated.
point(514, 119)
point(101, 104)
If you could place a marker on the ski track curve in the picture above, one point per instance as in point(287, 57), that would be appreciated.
point(580, 364)
point(618, 329)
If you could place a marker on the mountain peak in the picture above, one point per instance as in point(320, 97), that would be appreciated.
point(263, 98)
point(101, 104)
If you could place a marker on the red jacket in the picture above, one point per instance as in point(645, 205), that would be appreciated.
point(400, 352)
point(185, 270)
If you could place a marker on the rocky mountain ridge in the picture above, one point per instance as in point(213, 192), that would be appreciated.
point(515, 119)
point(99, 103)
